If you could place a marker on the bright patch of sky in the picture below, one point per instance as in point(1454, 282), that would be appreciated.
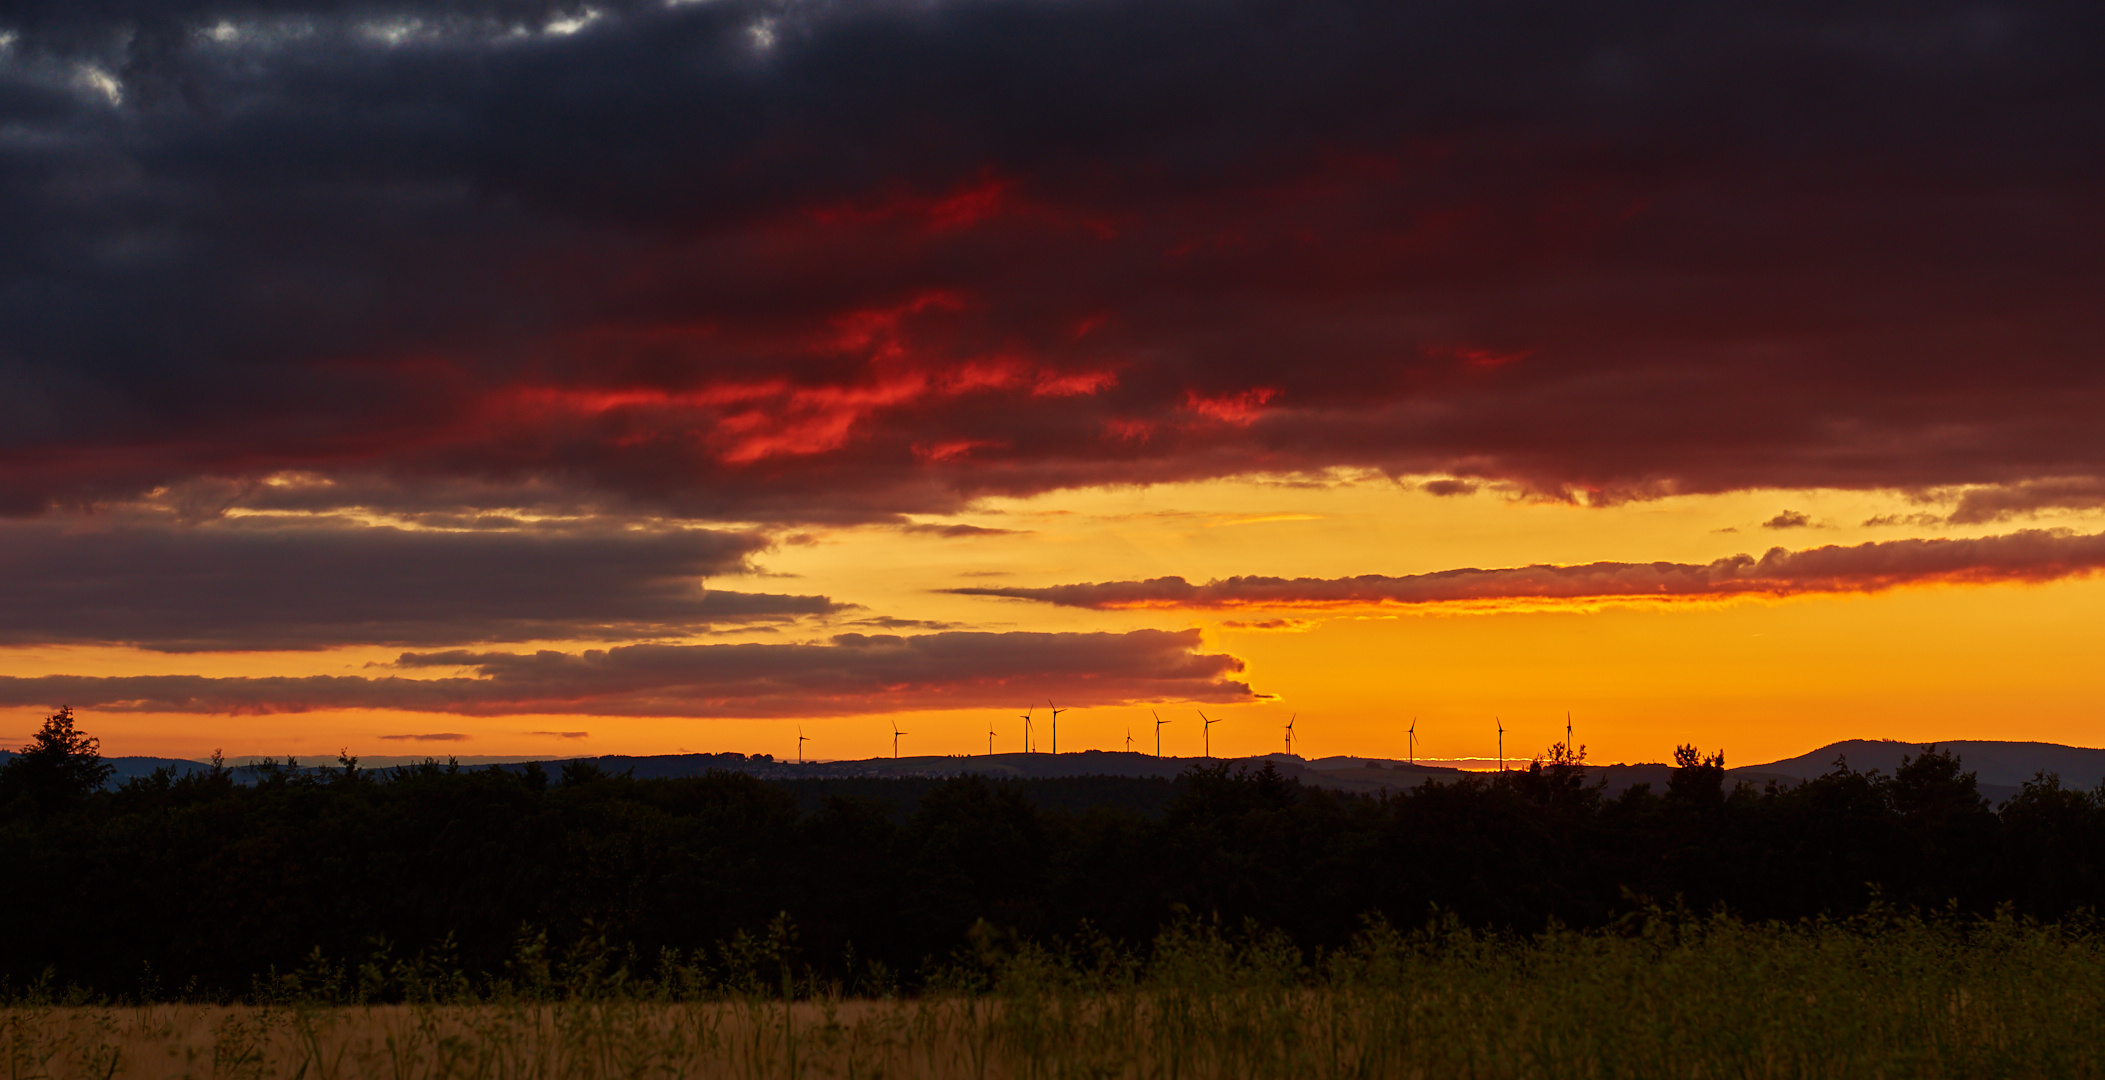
point(571, 24)
point(101, 82)
point(392, 31)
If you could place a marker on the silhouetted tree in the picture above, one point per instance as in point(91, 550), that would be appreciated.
point(581, 772)
point(2050, 840)
point(59, 768)
point(1555, 780)
point(1697, 778)
point(1946, 823)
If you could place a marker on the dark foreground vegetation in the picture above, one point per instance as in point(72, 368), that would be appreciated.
point(1884, 994)
point(199, 886)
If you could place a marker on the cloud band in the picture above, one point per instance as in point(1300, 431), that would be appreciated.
point(2031, 555)
point(850, 675)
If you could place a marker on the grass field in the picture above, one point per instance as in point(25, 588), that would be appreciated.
point(1876, 997)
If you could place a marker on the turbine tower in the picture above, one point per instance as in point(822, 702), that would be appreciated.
point(1290, 734)
point(1027, 728)
point(1208, 729)
point(1501, 744)
point(1056, 725)
point(801, 740)
point(1159, 721)
point(990, 738)
point(1413, 751)
point(895, 739)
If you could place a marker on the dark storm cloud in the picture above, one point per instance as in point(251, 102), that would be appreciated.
point(2032, 555)
point(235, 586)
point(854, 673)
point(846, 261)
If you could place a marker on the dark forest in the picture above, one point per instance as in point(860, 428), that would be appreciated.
point(202, 884)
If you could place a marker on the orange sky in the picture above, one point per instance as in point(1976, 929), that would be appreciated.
point(1760, 678)
point(1310, 358)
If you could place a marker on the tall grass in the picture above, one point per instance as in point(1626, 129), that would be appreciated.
point(1881, 996)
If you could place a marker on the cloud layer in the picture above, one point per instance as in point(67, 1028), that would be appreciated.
point(793, 262)
point(852, 674)
point(2032, 555)
point(307, 586)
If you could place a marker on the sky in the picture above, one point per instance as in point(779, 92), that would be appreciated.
point(513, 377)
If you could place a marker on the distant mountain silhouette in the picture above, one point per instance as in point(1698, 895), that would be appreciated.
point(2001, 767)
point(1994, 763)
point(126, 768)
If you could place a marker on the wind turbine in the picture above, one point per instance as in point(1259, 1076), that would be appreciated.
point(1501, 744)
point(1027, 728)
point(1290, 734)
point(1208, 729)
point(1159, 721)
point(1129, 738)
point(895, 739)
point(1056, 725)
point(801, 740)
point(1569, 749)
point(1413, 751)
point(990, 738)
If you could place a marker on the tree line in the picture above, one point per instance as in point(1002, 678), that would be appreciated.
point(201, 884)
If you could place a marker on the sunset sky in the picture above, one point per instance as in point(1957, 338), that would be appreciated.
point(505, 377)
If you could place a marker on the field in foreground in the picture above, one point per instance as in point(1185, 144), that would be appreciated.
point(1886, 997)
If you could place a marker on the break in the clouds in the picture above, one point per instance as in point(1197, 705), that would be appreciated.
point(849, 675)
point(764, 261)
point(2032, 555)
point(255, 585)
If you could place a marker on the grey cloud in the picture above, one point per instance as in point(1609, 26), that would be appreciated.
point(2032, 555)
point(852, 674)
point(242, 586)
point(1985, 504)
point(954, 531)
point(888, 622)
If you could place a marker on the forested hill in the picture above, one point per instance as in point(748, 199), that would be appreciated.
point(2000, 768)
point(1995, 764)
point(181, 877)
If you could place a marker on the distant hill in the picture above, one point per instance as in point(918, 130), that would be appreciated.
point(2001, 767)
point(1994, 763)
point(1344, 774)
point(125, 768)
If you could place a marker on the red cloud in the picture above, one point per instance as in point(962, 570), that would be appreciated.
point(1476, 357)
point(2032, 555)
point(1237, 408)
point(1069, 384)
point(646, 269)
point(952, 450)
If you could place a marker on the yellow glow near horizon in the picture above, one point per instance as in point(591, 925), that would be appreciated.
point(1761, 678)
